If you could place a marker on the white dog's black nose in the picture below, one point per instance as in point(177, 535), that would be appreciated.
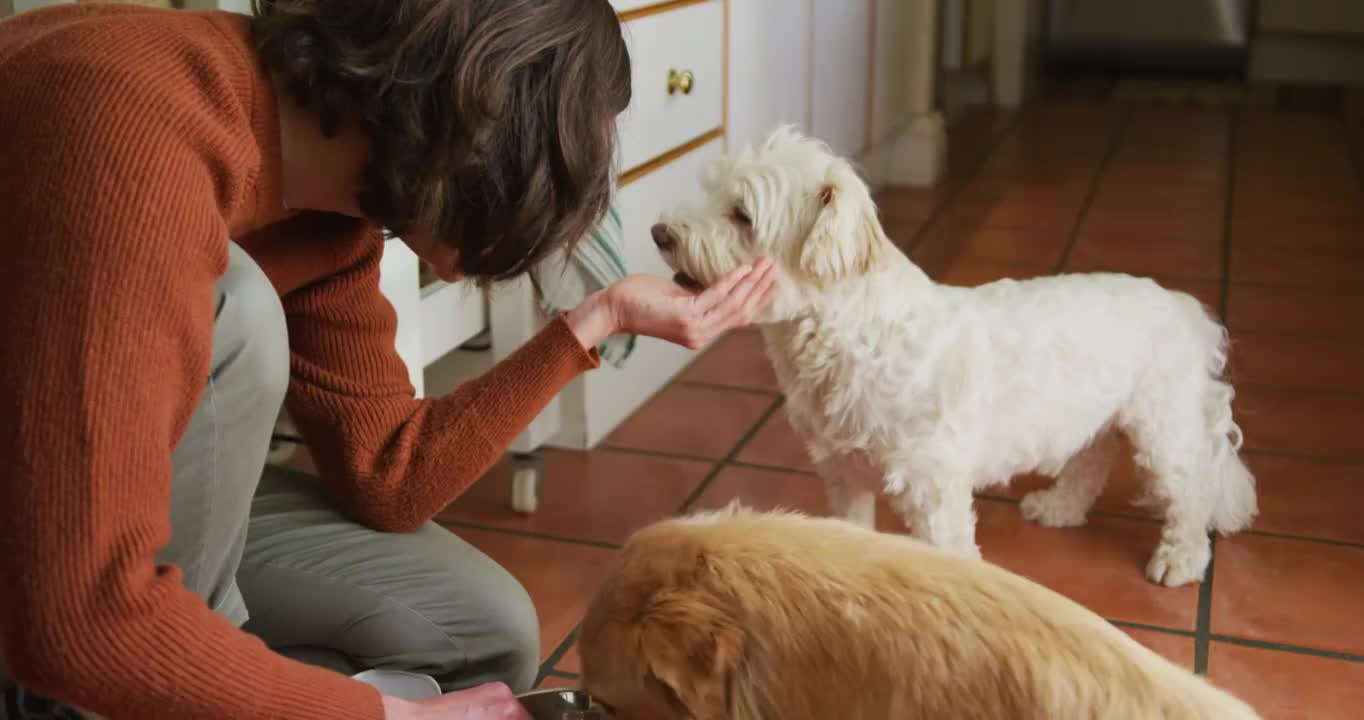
point(663, 237)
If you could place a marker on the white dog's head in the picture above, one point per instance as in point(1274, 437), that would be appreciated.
point(788, 198)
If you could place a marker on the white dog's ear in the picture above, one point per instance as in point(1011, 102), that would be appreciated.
point(691, 647)
point(846, 239)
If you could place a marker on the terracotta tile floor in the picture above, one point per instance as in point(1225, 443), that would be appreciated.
point(1261, 216)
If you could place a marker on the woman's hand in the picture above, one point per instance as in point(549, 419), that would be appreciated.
point(658, 307)
point(493, 701)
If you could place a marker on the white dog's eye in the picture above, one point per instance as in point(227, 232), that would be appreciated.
point(741, 216)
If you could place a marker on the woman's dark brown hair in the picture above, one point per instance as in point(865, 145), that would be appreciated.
point(491, 121)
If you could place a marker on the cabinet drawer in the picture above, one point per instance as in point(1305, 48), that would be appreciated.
point(687, 39)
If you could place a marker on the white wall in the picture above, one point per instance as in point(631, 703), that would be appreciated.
point(841, 73)
point(769, 67)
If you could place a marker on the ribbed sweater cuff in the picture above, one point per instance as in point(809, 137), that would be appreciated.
point(300, 691)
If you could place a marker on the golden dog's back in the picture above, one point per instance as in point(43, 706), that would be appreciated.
point(777, 616)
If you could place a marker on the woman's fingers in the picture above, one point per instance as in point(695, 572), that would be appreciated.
point(745, 293)
point(721, 291)
point(759, 300)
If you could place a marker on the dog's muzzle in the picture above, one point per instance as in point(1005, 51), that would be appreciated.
point(666, 243)
point(663, 237)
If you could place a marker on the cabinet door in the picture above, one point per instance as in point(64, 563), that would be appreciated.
point(841, 73)
point(769, 67)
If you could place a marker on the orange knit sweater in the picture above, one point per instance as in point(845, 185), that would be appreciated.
point(133, 144)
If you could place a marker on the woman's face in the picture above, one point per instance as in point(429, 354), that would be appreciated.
point(443, 259)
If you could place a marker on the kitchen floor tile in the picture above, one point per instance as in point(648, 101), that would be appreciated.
point(763, 489)
point(1016, 245)
point(1142, 254)
point(739, 359)
point(1194, 227)
point(973, 273)
point(1309, 498)
point(1101, 565)
point(1009, 214)
point(694, 421)
point(1178, 649)
point(777, 445)
point(1304, 423)
point(560, 577)
point(1299, 363)
point(1118, 196)
point(1288, 686)
point(1292, 592)
point(599, 496)
point(1321, 238)
point(1293, 311)
point(1318, 270)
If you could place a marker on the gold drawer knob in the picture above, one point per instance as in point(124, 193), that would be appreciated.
point(680, 82)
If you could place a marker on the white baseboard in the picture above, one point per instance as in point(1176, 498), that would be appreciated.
point(913, 155)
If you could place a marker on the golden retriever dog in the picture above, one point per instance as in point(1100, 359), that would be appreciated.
point(741, 615)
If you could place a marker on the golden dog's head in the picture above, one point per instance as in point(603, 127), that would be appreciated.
point(657, 643)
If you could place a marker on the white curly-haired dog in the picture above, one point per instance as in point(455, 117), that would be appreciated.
point(928, 392)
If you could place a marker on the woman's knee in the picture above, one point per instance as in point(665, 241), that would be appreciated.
point(494, 623)
point(424, 602)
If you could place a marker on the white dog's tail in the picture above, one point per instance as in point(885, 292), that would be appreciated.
point(1231, 486)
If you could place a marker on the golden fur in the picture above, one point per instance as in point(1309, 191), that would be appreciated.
point(740, 615)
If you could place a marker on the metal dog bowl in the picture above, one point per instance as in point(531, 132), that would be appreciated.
point(562, 704)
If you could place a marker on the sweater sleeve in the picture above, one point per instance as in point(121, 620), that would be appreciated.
point(112, 247)
point(393, 460)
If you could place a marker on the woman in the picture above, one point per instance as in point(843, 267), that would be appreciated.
point(190, 205)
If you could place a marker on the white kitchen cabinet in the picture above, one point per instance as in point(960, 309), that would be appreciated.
point(678, 84)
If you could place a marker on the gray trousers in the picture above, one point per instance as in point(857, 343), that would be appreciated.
point(270, 551)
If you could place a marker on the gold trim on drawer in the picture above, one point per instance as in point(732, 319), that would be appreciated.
point(644, 169)
point(662, 7)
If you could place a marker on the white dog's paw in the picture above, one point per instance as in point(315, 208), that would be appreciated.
point(1175, 564)
point(1053, 508)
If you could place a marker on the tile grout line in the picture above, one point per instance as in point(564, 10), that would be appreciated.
point(940, 209)
point(1288, 649)
point(733, 452)
point(1229, 211)
point(1152, 628)
point(552, 673)
point(1203, 628)
point(1095, 182)
point(547, 667)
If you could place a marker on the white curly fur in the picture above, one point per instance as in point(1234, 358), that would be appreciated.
point(928, 392)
